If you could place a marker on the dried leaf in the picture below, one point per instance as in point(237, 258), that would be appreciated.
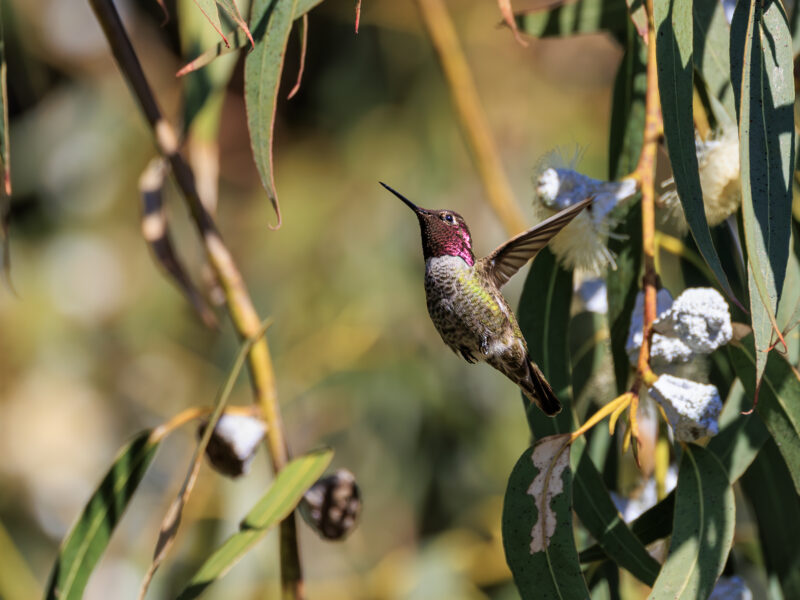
point(155, 231)
point(303, 47)
point(358, 13)
point(233, 11)
point(550, 457)
point(508, 17)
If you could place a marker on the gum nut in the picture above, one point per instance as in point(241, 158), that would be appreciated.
point(233, 444)
point(700, 318)
point(332, 505)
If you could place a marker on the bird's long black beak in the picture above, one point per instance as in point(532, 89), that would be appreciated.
point(408, 202)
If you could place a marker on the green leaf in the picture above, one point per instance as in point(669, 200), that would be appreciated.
point(674, 50)
point(583, 16)
point(271, 24)
point(712, 49)
point(778, 399)
point(229, 6)
point(702, 534)
point(209, 10)
point(88, 538)
point(204, 92)
point(544, 315)
point(766, 133)
point(283, 496)
point(544, 318)
point(588, 352)
point(537, 524)
point(776, 505)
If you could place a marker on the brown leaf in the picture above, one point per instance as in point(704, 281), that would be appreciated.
point(508, 17)
point(155, 231)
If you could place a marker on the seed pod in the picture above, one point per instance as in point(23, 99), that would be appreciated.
point(332, 505)
point(692, 408)
point(233, 444)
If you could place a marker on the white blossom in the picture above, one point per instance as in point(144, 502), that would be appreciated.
point(700, 318)
point(718, 162)
point(692, 408)
point(583, 244)
point(663, 350)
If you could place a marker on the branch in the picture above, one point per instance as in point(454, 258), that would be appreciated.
point(242, 312)
point(471, 117)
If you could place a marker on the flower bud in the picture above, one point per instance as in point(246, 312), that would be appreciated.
point(692, 408)
point(332, 505)
point(700, 318)
point(233, 444)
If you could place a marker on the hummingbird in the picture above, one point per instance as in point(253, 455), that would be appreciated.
point(464, 298)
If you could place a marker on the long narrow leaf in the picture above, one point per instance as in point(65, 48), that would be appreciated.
point(88, 538)
point(712, 51)
point(702, 535)
point(776, 505)
point(674, 49)
point(271, 24)
point(570, 18)
point(5, 165)
point(283, 496)
point(766, 133)
point(537, 524)
point(779, 399)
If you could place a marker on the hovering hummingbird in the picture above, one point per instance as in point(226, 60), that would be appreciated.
point(464, 298)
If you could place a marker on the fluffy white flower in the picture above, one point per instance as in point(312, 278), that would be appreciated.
point(718, 160)
point(700, 318)
point(692, 408)
point(583, 244)
point(663, 350)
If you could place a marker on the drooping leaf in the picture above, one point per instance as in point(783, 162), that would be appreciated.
point(303, 47)
point(712, 53)
point(283, 496)
point(209, 10)
point(229, 6)
point(271, 24)
point(172, 520)
point(570, 18)
point(766, 133)
point(544, 313)
point(155, 231)
point(87, 540)
point(544, 318)
point(537, 524)
point(674, 49)
point(767, 484)
point(702, 533)
point(508, 17)
point(778, 400)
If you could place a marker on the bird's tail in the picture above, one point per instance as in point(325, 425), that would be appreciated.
point(538, 391)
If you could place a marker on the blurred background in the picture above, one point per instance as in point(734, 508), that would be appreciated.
point(97, 344)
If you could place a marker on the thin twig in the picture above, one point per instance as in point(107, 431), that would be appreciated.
point(471, 116)
point(243, 314)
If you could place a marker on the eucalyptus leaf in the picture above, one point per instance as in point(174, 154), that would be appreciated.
point(712, 53)
point(702, 534)
point(283, 496)
point(778, 399)
point(674, 50)
point(271, 24)
point(83, 547)
point(776, 506)
point(766, 133)
point(537, 524)
point(570, 18)
point(5, 165)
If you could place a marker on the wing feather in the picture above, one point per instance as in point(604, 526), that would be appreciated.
point(510, 257)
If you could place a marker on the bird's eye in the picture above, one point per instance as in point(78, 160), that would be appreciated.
point(449, 218)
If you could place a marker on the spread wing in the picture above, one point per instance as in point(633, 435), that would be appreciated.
point(511, 256)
